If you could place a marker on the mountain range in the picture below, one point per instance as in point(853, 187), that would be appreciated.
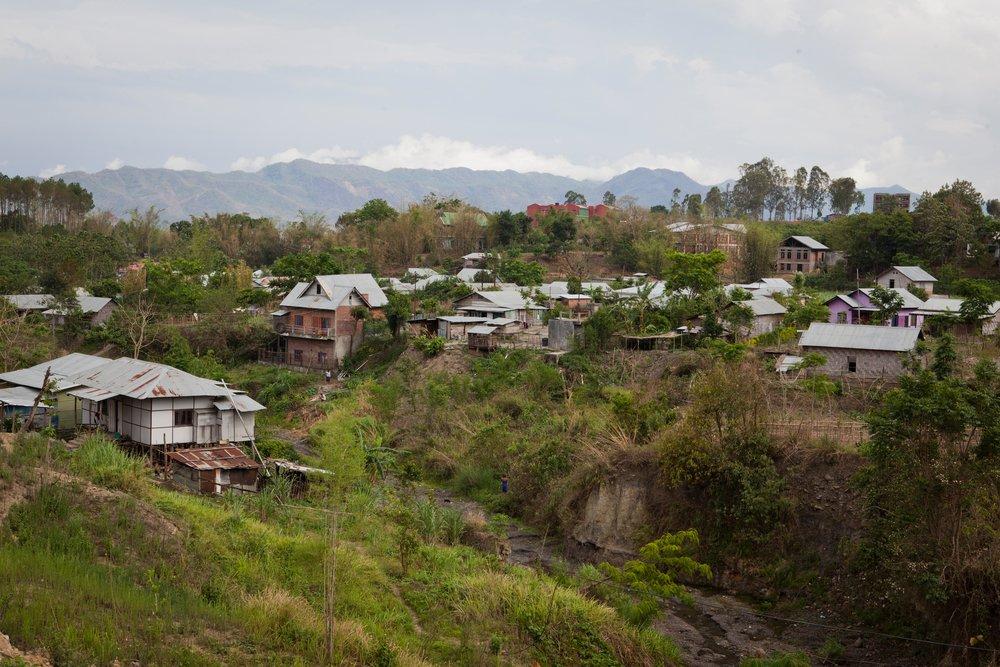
point(282, 190)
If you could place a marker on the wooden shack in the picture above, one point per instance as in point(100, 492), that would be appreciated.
point(213, 470)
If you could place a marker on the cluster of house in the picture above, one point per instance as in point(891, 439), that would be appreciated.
point(96, 309)
point(189, 423)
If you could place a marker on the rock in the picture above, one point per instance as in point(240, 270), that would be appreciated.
point(614, 511)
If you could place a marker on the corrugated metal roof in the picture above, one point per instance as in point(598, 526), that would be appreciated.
point(213, 458)
point(243, 403)
point(21, 397)
point(326, 300)
point(482, 329)
point(30, 301)
point(808, 242)
point(913, 273)
point(365, 283)
point(144, 379)
point(506, 299)
point(846, 298)
point(62, 368)
point(910, 300)
point(860, 337)
point(461, 319)
point(942, 305)
point(764, 305)
point(88, 304)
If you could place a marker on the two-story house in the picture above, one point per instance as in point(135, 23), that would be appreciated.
point(801, 254)
point(320, 323)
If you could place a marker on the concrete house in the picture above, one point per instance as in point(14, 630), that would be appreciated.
point(801, 254)
point(858, 308)
point(860, 350)
point(509, 304)
point(157, 405)
point(65, 411)
point(213, 470)
point(904, 276)
point(767, 316)
point(316, 321)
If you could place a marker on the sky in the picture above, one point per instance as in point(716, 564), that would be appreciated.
point(888, 92)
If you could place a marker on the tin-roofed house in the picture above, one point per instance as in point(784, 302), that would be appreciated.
point(906, 276)
point(766, 313)
point(859, 308)
point(951, 308)
point(860, 350)
point(318, 324)
point(213, 470)
point(96, 309)
point(801, 254)
point(16, 404)
point(162, 406)
point(508, 304)
point(65, 412)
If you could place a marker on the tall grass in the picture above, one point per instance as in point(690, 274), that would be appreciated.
point(103, 462)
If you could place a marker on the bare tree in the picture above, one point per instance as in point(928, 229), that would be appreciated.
point(136, 319)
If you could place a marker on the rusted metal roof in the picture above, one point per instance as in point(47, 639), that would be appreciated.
point(213, 458)
point(243, 403)
point(143, 379)
point(62, 368)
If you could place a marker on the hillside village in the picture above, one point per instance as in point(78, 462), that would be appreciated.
point(666, 435)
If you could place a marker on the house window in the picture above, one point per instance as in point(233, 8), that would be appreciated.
point(183, 417)
point(798, 267)
point(297, 356)
point(842, 317)
point(892, 283)
point(317, 288)
point(321, 357)
point(324, 323)
point(298, 320)
point(852, 364)
point(895, 321)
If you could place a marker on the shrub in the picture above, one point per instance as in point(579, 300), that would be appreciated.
point(431, 346)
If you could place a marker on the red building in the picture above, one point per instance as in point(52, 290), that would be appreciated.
point(536, 211)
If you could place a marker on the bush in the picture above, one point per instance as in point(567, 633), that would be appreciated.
point(431, 346)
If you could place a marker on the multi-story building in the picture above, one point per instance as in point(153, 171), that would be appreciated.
point(801, 254)
point(322, 321)
point(536, 211)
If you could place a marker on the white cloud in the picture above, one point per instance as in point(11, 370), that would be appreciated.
point(647, 58)
point(53, 171)
point(134, 37)
point(115, 164)
point(428, 151)
point(333, 155)
point(178, 163)
point(954, 125)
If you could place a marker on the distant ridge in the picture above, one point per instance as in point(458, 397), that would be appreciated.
point(282, 190)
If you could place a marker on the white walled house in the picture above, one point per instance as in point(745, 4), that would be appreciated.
point(904, 276)
point(158, 405)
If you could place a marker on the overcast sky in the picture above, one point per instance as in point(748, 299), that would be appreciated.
point(888, 92)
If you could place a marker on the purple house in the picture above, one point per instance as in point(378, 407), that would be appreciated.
point(858, 308)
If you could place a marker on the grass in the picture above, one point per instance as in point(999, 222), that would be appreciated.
point(136, 572)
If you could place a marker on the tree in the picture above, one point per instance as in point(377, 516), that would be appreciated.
point(844, 195)
point(945, 358)
point(562, 227)
point(397, 311)
point(693, 205)
point(817, 190)
point(759, 248)
point(609, 198)
point(134, 319)
point(573, 197)
point(993, 208)
point(887, 302)
point(757, 187)
point(574, 285)
point(713, 202)
point(799, 194)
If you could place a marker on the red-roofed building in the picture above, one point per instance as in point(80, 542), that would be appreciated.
point(536, 211)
